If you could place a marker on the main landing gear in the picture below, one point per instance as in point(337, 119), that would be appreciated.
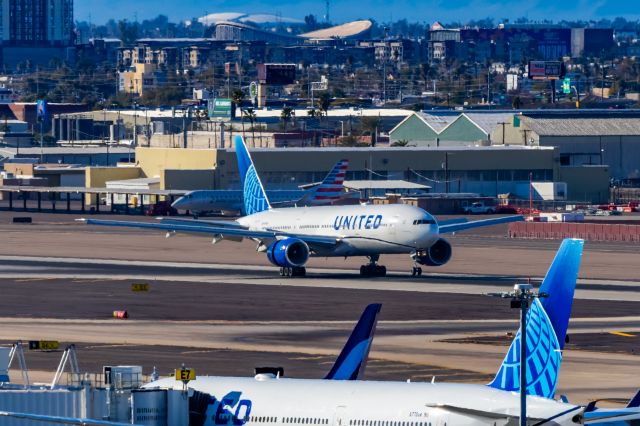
point(296, 271)
point(372, 269)
point(416, 271)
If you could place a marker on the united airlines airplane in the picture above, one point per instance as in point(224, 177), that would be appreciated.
point(329, 191)
point(274, 401)
point(289, 236)
point(349, 365)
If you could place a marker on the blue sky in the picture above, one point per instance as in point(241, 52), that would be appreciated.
point(99, 11)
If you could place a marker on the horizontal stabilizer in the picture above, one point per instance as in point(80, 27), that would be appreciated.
point(455, 227)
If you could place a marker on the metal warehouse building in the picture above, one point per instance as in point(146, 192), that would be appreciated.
point(612, 140)
point(449, 128)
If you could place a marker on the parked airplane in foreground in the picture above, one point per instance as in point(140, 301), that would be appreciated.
point(289, 236)
point(328, 191)
point(274, 401)
point(349, 365)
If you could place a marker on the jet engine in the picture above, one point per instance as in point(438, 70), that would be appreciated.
point(288, 253)
point(436, 255)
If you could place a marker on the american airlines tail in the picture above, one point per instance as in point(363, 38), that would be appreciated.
point(330, 189)
point(254, 195)
point(352, 360)
point(547, 323)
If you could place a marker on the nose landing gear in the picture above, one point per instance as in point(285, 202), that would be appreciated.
point(372, 269)
point(416, 271)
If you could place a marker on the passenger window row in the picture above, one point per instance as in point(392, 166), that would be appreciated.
point(386, 423)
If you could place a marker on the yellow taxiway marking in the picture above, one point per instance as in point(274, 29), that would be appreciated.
point(26, 280)
point(620, 333)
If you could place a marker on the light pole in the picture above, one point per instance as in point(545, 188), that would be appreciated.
point(521, 298)
point(104, 123)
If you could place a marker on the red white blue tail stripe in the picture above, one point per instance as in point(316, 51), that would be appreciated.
point(332, 186)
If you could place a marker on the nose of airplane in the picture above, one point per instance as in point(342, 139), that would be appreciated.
point(178, 203)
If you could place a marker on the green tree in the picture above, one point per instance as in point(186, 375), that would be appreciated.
point(285, 115)
point(128, 31)
point(237, 96)
point(324, 102)
point(370, 126)
point(516, 103)
point(250, 115)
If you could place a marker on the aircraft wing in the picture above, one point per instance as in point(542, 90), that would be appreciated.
point(61, 420)
point(502, 413)
point(462, 226)
point(621, 416)
point(214, 230)
point(217, 223)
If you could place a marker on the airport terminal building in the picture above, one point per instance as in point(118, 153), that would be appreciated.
point(483, 170)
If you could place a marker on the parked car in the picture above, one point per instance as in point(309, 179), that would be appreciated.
point(479, 208)
point(161, 208)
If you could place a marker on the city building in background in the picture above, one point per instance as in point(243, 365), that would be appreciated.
point(34, 32)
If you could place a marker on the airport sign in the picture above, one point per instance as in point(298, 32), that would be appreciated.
point(185, 374)
point(44, 345)
point(137, 287)
point(221, 108)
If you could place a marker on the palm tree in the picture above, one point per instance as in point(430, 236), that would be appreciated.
point(370, 125)
point(324, 102)
point(250, 115)
point(285, 116)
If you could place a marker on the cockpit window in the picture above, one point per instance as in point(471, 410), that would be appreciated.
point(424, 222)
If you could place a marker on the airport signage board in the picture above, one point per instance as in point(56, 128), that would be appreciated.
point(44, 345)
point(140, 287)
point(221, 108)
point(185, 374)
point(546, 70)
point(277, 74)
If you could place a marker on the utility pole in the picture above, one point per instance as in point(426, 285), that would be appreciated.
point(489, 87)
point(602, 86)
point(384, 66)
point(522, 297)
point(503, 123)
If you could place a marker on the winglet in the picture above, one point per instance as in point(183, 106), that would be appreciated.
point(635, 401)
point(254, 195)
point(547, 323)
point(351, 362)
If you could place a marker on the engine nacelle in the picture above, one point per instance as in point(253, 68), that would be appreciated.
point(288, 253)
point(436, 255)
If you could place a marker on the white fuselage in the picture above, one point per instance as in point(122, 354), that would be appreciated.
point(227, 200)
point(362, 229)
point(297, 402)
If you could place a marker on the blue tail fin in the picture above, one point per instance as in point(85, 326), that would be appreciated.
point(352, 360)
point(255, 198)
point(547, 323)
point(635, 401)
